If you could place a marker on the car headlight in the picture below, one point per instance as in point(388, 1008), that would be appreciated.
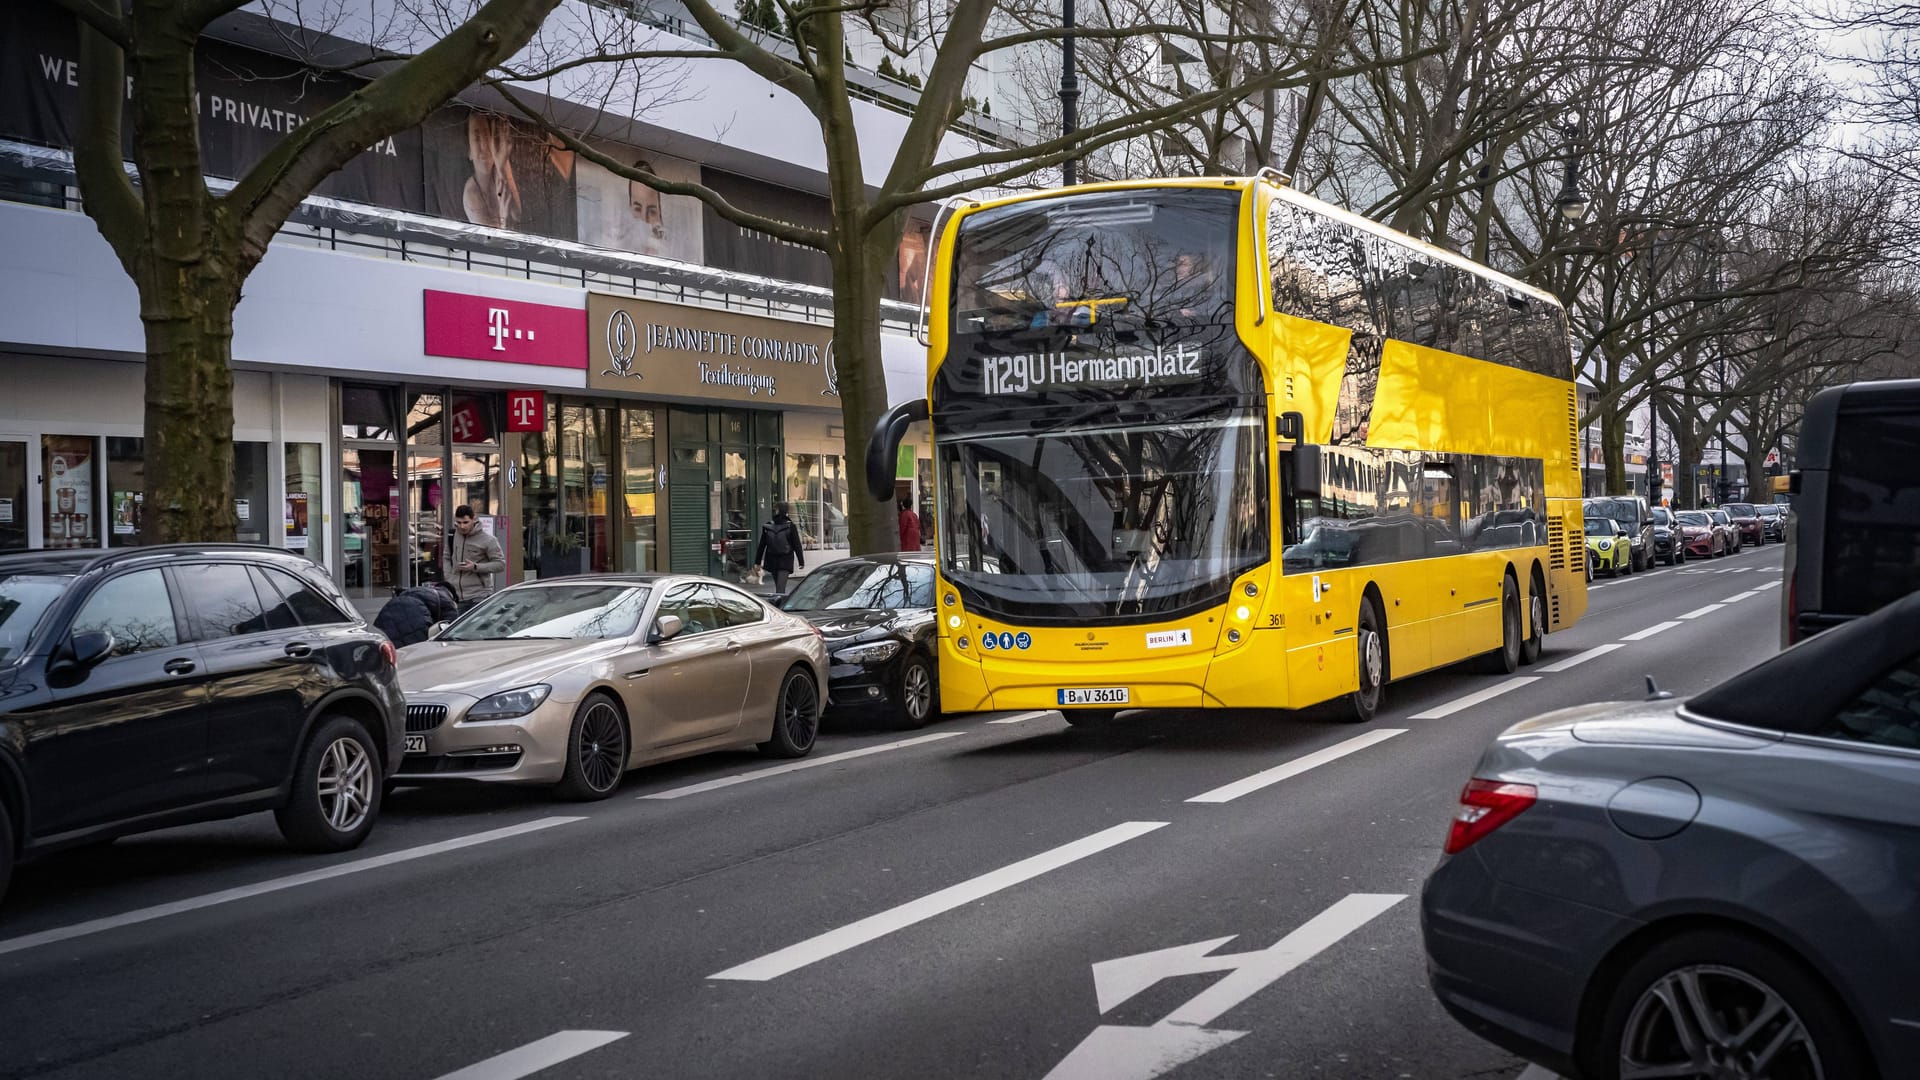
point(868, 654)
point(508, 704)
point(1606, 545)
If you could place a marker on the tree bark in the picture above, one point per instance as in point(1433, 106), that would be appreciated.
point(188, 314)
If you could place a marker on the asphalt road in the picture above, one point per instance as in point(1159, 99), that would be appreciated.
point(932, 907)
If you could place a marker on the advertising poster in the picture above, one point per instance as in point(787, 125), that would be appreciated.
point(296, 521)
point(126, 512)
point(625, 215)
point(487, 169)
point(71, 521)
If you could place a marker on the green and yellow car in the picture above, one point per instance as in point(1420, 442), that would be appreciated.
point(1608, 550)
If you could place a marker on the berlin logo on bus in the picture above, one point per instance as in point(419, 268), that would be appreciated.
point(1019, 374)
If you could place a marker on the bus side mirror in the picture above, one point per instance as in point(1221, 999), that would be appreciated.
point(1793, 482)
point(883, 447)
point(1303, 470)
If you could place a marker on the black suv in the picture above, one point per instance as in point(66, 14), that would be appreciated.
point(155, 686)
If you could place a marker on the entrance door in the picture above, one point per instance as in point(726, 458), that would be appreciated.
point(14, 503)
point(734, 532)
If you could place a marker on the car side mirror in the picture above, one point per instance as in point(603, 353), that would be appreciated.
point(666, 628)
point(438, 628)
point(84, 650)
point(1303, 465)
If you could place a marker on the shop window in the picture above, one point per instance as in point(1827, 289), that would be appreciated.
point(365, 413)
point(126, 490)
point(70, 465)
point(640, 525)
point(817, 491)
point(302, 512)
point(252, 492)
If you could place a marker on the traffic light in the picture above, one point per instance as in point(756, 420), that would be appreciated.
point(1722, 491)
point(1653, 490)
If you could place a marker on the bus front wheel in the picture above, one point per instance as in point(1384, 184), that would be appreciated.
point(1371, 645)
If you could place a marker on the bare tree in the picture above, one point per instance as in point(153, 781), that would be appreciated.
point(188, 249)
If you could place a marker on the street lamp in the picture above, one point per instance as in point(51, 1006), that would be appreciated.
point(1069, 91)
point(1571, 200)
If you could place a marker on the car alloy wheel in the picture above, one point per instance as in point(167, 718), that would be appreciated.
point(345, 786)
point(796, 717)
point(916, 691)
point(1713, 1021)
point(603, 747)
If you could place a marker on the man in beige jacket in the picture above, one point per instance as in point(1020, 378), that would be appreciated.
point(473, 557)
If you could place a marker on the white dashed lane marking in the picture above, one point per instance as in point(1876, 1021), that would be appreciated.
point(1656, 628)
point(1580, 658)
point(1477, 698)
point(1268, 777)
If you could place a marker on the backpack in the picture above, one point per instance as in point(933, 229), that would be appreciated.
point(777, 542)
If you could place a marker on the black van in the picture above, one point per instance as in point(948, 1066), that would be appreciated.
point(1853, 544)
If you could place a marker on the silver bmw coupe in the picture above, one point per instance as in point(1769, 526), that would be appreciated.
point(571, 682)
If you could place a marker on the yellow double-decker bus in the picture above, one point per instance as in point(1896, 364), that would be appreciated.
point(1212, 443)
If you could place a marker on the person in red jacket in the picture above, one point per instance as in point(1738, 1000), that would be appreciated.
point(909, 527)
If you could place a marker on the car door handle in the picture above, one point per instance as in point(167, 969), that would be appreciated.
point(734, 646)
point(636, 674)
point(181, 666)
point(299, 648)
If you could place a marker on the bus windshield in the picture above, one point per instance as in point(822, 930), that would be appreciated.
point(1125, 260)
point(1133, 513)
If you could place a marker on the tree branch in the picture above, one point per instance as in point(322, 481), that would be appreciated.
point(793, 234)
point(393, 102)
point(753, 56)
point(99, 159)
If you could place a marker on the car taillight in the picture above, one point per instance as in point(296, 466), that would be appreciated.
point(386, 653)
point(1485, 805)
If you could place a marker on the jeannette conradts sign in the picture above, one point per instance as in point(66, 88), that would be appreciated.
point(642, 347)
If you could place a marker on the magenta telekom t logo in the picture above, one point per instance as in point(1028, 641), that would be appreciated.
point(524, 407)
point(500, 332)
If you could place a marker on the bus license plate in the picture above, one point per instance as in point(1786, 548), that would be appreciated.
point(1093, 695)
point(416, 744)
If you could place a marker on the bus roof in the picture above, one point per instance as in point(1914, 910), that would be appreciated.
point(1318, 206)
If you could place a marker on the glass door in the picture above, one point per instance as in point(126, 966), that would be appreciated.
point(14, 504)
point(734, 528)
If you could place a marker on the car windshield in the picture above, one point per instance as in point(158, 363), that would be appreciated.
point(23, 600)
point(856, 583)
point(1693, 517)
point(1739, 509)
point(1602, 527)
point(584, 611)
point(1662, 516)
point(1620, 510)
point(1720, 517)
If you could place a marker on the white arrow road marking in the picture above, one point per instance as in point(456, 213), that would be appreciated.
point(1230, 792)
point(1476, 698)
point(160, 911)
point(1115, 1052)
point(794, 957)
point(810, 763)
point(535, 1056)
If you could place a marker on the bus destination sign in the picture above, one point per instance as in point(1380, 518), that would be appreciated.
point(1066, 370)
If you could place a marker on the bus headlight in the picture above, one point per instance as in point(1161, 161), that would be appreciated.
point(1243, 613)
point(953, 622)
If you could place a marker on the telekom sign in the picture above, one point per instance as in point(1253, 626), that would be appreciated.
point(510, 331)
point(526, 410)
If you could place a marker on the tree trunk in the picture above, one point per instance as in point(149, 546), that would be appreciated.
point(1686, 466)
point(189, 414)
point(1613, 450)
point(858, 284)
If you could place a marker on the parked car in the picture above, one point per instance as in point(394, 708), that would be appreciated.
point(1729, 532)
point(1718, 887)
point(1699, 535)
point(1773, 520)
point(154, 686)
point(1746, 519)
point(1636, 521)
point(1607, 548)
point(572, 682)
point(1669, 546)
point(1854, 544)
point(876, 614)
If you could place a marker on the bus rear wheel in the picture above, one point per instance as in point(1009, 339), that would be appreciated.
point(1506, 659)
point(1370, 643)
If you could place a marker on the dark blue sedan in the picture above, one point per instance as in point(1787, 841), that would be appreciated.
point(1723, 887)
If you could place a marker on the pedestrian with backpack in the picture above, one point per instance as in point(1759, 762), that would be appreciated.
point(779, 549)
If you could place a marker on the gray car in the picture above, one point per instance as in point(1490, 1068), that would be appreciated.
point(1723, 887)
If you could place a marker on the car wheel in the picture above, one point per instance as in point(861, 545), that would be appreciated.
point(1370, 646)
point(1506, 659)
point(1537, 624)
point(918, 692)
point(1716, 1003)
point(796, 718)
point(1089, 717)
point(598, 749)
point(336, 790)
